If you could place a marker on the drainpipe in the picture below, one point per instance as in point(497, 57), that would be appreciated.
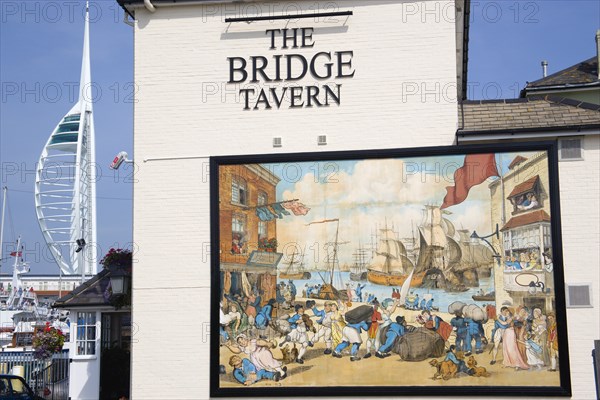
point(598, 51)
point(544, 69)
point(149, 6)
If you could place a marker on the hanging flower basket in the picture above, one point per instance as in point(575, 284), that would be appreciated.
point(47, 342)
point(117, 258)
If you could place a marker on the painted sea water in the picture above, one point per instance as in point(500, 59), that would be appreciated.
point(441, 298)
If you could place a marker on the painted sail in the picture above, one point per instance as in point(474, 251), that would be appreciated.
point(391, 247)
point(427, 255)
point(391, 256)
point(448, 227)
point(65, 189)
point(433, 240)
point(379, 263)
point(402, 266)
point(406, 287)
point(474, 255)
point(452, 253)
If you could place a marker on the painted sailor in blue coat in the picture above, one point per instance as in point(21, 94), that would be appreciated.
point(351, 334)
point(246, 373)
point(396, 329)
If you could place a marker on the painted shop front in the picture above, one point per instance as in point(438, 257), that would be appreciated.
point(334, 270)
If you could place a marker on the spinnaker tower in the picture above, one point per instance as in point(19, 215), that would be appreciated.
point(65, 187)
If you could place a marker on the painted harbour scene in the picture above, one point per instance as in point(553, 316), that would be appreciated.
point(439, 268)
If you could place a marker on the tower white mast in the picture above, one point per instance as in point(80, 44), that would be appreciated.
point(65, 188)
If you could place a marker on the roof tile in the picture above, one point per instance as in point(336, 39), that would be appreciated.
point(585, 72)
point(528, 113)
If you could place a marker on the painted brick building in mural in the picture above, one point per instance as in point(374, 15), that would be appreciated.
point(247, 188)
point(245, 236)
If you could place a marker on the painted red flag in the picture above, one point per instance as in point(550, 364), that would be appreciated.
point(15, 254)
point(476, 169)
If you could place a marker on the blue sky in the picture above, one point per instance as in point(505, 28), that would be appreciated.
point(40, 56)
point(40, 53)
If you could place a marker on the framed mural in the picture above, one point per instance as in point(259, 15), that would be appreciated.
point(431, 271)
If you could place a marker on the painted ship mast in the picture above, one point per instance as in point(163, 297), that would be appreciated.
point(439, 252)
point(391, 264)
point(65, 189)
point(295, 269)
point(328, 290)
point(358, 270)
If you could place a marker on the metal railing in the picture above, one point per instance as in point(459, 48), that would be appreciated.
point(47, 378)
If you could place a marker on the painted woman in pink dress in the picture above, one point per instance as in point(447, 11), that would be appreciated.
point(510, 350)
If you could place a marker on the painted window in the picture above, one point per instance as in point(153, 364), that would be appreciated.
point(86, 333)
point(525, 247)
point(262, 198)
point(238, 234)
point(239, 191)
point(262, 225)
point(262, 230)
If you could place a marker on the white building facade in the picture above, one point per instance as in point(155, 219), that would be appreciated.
point(388, 76)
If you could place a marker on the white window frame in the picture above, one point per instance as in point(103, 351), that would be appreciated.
point(75, 338)
point(263, 231)
point(581, 142)
point(239, 186)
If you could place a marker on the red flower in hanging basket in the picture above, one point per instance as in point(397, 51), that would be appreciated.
point(117, 257)
point(48, 342)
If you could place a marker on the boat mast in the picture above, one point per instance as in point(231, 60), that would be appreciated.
point(15, 279)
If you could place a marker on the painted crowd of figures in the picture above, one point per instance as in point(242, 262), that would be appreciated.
point(253, 329)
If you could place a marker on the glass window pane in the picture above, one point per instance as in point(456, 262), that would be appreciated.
point(91, 333)
point(68, 127)
point(80, 332)
point(74, 117)
point(91, 348)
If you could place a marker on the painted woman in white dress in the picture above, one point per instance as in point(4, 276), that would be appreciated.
point(259, 352)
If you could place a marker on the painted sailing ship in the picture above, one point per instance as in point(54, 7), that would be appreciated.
point(391, 265)
point(295, 268)
point(358, 270)
point(328, 291)
point(439, 252)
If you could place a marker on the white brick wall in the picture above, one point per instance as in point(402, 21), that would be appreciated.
point(580, 219)
point(180, 50)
